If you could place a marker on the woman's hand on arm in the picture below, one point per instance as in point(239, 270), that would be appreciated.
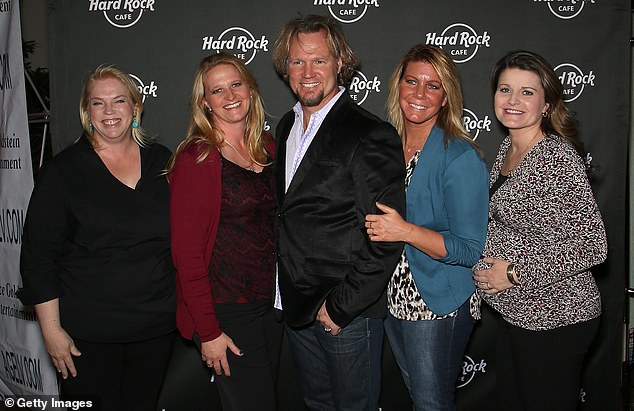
point(59, 344)
point(392, 227)
point(214, 353)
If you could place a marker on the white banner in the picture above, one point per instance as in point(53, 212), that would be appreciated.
point(25, 367)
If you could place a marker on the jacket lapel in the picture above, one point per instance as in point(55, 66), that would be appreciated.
point(431, 150)
point(284, 128)
point(323, 136)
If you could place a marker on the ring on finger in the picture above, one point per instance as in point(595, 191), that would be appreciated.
point(327, 329)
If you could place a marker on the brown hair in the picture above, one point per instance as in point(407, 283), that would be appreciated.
point(559, 119)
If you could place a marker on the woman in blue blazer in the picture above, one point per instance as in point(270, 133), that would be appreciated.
point(431, 299)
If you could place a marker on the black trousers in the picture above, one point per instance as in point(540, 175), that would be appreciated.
point(255, 330)
point(120, 376)
point(541, 370)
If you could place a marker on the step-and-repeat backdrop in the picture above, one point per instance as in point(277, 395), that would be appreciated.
point(24, 363)
point(160, 43)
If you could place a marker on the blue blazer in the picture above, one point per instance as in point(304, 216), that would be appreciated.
point(448, 193)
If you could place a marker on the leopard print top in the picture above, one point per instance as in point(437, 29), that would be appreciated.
point(404, 300)
point(545, 220)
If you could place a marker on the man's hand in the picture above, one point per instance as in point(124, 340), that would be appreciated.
point(324, 319)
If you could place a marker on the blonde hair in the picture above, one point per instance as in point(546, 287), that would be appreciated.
point(105, 72)
point(450, 115)
point(335, 39)
point(204, 132)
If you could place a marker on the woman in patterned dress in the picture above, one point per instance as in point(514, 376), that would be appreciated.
point(545, 233)
point(431, 299)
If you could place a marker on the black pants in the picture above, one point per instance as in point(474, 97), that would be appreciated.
point(121, 376)
point(254, 329)
point(541, 370)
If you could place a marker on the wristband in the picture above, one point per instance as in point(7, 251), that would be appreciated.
point(510, 271)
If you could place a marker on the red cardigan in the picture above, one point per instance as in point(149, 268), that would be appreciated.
point(194, 215)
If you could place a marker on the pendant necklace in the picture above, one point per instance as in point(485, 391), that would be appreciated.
point(410, 147)
point(250, 167)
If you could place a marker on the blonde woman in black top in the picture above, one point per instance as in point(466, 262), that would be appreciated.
point(95, 258)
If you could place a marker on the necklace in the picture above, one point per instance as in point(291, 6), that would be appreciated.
point(250, 167)
point(415, 144)
point(518, 159)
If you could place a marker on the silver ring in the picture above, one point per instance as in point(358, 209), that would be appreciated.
point(327, 329)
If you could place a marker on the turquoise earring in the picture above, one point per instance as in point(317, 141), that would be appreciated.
point(90, 127)
point(135, 123)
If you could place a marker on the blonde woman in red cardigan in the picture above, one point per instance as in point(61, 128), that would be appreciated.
point(223, 207)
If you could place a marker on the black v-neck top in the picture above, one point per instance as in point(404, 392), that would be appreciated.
point(101, 247)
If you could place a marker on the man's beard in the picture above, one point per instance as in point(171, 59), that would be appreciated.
point(312, 101)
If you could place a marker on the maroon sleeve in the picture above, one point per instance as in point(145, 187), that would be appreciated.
point(195, 210)
point(269, 144)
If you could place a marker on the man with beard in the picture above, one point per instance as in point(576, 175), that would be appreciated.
point(335, 162)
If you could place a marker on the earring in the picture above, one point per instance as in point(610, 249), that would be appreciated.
point(90, 126)
point(135, 124)
point(208, 109)
point(544, 114)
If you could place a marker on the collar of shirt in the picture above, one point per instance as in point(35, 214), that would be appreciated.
point(319, 115)
point(299, 140)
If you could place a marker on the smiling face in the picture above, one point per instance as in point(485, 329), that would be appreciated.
point(227, 95)
point(111, 110)
point(312, 70)
point(421, 95)
point(519, 100)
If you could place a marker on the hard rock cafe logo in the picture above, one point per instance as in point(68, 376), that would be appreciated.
point(573, 80)
point(473, 124)
point(237, 41)
point(469, 370)
point(347, 11)
point(565, 9)
point(145, 89)
point(460, 41)
point(122, 13)
point(361, 87)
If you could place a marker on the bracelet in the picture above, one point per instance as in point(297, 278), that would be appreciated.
point(510, 274)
